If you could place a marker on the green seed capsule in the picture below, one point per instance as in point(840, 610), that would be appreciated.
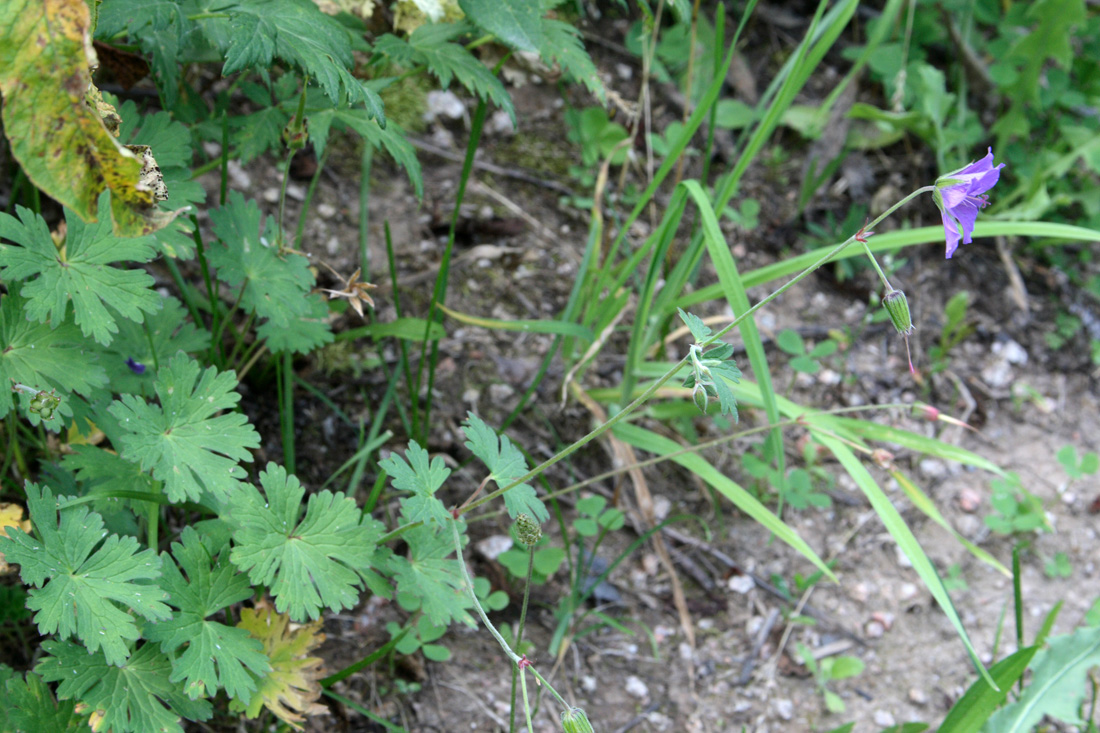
point(699, 397)
point(574, 720)
point(898, 307)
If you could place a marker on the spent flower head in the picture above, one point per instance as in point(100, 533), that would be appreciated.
point(961, 194)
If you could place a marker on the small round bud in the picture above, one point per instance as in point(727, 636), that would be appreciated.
point(295, 134)
point(528, 531)
point(883, 458)
point(897, 306)
point(574, 720)
point(699, 397)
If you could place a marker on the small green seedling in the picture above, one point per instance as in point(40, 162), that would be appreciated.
point(1016, 509)
point(421, 637)
point(1058, 566)
point(829, 670)
point(1075, 466)
point(807, 362)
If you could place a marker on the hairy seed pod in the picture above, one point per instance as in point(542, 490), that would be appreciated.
point(897, 306)
point(528, 531)
point(574, 720)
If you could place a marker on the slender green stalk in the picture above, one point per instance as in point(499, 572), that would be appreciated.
point(526, 704)
point(881, 275)
point(285, 372)
point(519, 632)
point(660, 381)
point(224, 161)
point(364, 210)
point(310, 191)
point(439, 293)
point(516, 659)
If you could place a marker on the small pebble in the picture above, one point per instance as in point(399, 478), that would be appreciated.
point(270, 195)
point(491, 547)
point(784, 709)
point(874, 629)
point(883, 719)
point(908, 591)
point(969, 500)
point(917, 696)
point(636, 688)
point(588, 683)
point(326, 211)
point(741, 584)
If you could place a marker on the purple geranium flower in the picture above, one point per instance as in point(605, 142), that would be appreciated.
point(135, 366)
point(961, 194)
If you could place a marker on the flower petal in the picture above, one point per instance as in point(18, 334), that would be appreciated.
point(951, 232)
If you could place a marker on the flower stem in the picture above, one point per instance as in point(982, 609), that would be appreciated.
point(519, 631)
point(881, 275)
point(488, 624)
point(660, 382)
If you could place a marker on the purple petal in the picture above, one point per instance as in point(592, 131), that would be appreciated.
point(951, 233)
point(135, 366)
point(967, 214)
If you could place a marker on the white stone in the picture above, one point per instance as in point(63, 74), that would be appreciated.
point(443, 104)
point(636, 688)
point(326, 211)
point(741, 583)
point(491, 547)
point(784, 709)
point(883, 719)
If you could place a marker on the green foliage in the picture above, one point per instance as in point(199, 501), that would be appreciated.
point(506, 464)
point(429, 579)
point(78, 271)
point(804, 361)
point(81, 575)
point(1016, 509)
point(422, 479)
point(1058, 684)
point(431, 45)
point(214, 656)
point(597, 136)
point(31, 708)
point(829, 670)
point(1058, 566)
point(1077, 467)
point(183, 441)
point(310, 562)
point(44, 356)
point(134, 698)
point(955, 330)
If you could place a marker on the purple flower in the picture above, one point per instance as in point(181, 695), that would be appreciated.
point(135, 366)
point(961, 194)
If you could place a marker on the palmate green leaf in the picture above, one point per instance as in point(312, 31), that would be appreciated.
point(253, 34)
point(561, 44)
point(421, 478)
point(79, 272)
point(505, 463)
point(514, 22)
point(104, 473)
point(159, 27)
point(392, 138)
point(30, 707)
point(77, 587)
point(302, 335)
point(182, 441)
point(216, 656)
point(44, 356)
point(136, 697)
point(276, 286)
point(431, 575)
point(431, 45)
point(1058, 686)
point(163, 335)
point(318, 561)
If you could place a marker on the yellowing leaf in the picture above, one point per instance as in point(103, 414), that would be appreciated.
point(55, 119)
point(291, 689)
point(11, 515)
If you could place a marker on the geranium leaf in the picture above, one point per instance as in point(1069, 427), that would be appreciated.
point(310, 562)
point(432, 576)
point(421, 478)
point(216, 656)
point(291, 689)
point(134, 698)
point(81, 574)
point(181, 440)
point(505, 463)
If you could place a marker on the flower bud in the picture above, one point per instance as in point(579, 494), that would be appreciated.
point(574, 720)
point(699, 397)
point(296, 134)
point(882, 458)
point(897, 306)
point(528, 531)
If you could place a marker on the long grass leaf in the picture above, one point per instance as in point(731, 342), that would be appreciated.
point(649, 441)
point(901, 533)
point(560, 328)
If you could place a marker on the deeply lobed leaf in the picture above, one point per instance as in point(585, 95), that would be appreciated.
point(77, 587)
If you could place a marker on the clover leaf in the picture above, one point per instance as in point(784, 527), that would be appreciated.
point(505, 463)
